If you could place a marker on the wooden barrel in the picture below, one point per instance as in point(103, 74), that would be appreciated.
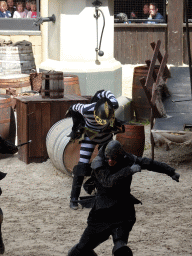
point(16, 59)
point(7, 119)
point(20, 82)
point(64, 155)
point(14, 85)
point(140, 102)
point(71, 84)
point(52, 85)
point(133, 140)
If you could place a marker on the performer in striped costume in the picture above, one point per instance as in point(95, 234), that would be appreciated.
point(99, 123)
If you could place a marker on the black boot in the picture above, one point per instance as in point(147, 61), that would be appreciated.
point(76, 190)
point(74, 251)
point(74, 204)
point(92, 253)
point(121, 249)
point(80, 170)
point(2, 247)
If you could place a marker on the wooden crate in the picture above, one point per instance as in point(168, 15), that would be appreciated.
point(35, 116)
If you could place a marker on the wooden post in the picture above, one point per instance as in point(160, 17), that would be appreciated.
point(175, 32)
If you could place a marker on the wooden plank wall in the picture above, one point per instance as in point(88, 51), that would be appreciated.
point(132, 42)
point(185, 49)
point(175, 32)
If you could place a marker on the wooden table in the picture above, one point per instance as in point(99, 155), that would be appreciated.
point(35, 116)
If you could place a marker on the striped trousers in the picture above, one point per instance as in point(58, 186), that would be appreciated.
point(86, 150)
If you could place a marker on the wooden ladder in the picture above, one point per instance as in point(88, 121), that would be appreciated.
point(153, 80)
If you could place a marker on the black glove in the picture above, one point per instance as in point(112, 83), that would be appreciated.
point(135, 168)
point(176, 177)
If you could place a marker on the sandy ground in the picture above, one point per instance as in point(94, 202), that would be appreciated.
point(38, 220)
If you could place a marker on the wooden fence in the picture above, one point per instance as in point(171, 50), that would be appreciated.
point(132, 43)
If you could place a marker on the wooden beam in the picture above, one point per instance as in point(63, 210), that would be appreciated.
point(161, 68)
point(147, 92)
point(160, 58)
point(148, 62)
point(175, 32)
point(154, 94)
point(149, 81)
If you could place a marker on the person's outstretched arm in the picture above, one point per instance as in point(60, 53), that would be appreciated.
point(155, 166)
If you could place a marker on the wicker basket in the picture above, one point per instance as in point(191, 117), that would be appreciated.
point(36, 81)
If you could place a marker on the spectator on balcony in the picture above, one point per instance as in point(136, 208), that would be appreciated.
point(33, 12)
point(27, 6)
point(145, 13)
point(20, 13)
point(11, 7)
point(134, 16)
point(154, 16)
point(4, 13)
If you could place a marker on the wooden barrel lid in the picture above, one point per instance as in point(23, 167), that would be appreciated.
point(17, 80)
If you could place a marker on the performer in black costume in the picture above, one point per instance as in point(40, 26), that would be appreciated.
point(6, 147)
point(113, 212)
point(96, 122)
point(2, 247)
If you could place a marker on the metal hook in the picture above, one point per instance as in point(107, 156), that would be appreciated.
point(98, 51)
point(40, 20)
